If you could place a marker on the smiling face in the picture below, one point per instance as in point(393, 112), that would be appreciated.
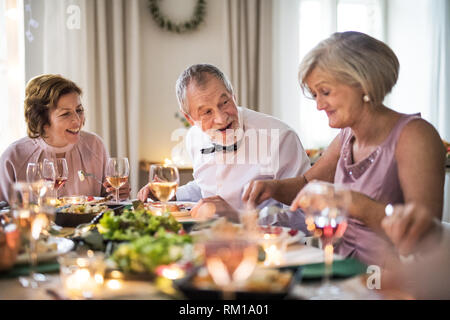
point(66, 121)
point(213, 109)
point(342, 103)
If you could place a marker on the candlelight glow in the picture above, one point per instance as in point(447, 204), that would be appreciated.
point(82, 276)
point(274, 255)
point(172, 272)
point(39, 223)
point(274, 247)
point(114, 284)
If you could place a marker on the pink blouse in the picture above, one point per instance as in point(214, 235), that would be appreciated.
point(89, 155)
point(377, 177)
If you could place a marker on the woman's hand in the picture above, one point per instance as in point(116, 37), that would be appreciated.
point(124, 191)
point(146, 193)
point(315, 194)
point(411, 228)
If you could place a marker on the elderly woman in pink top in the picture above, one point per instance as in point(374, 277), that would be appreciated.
point(383, 156)
point(55, 117)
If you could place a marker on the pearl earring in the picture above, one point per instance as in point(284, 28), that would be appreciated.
point(366, 98)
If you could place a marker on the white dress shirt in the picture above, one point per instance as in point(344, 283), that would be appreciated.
point(270, 150)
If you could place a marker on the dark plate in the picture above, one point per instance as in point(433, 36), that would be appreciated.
point(194, 293)
point(72, 220)
point(130, 276)
point(187, 225)
point(342, 269)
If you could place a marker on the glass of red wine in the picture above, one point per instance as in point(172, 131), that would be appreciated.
point(62, 173)
point(326, 206)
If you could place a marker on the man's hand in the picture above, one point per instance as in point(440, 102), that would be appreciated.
point(146, 193)
point(124, 191)
point(259, 191)
point(206, 208)
point(412, 228)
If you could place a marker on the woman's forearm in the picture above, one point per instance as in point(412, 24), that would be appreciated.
point(287, 189)
point(367, 210)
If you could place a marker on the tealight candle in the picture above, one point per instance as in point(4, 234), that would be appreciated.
point(171, 271)
point(82, 276)
point(274, 247)
point(53, 201)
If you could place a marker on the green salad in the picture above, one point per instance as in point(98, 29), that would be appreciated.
point(148, 252)
point(131, 224)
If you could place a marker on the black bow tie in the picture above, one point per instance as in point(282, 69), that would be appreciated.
point(218, 147)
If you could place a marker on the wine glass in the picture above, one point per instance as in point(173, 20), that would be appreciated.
point(326, 206)
point(43, 173)
point(163, 182)
point(32, 218)
point(117, 172)
point(33, 172)
point(62, 173)
point(230, 261)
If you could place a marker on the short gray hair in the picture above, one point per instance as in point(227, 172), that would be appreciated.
point(197, 73)
point(355, 59)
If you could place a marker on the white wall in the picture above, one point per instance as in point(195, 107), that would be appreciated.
point(164, 56)
point(168, 54)
point(409, 30)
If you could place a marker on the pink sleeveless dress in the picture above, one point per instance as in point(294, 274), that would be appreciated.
point(377, 177)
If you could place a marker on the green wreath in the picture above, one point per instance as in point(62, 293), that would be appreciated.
point(165, 23)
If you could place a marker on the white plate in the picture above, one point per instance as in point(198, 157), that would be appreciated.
point(186, 204)
point(290, 239)
point(63, 246)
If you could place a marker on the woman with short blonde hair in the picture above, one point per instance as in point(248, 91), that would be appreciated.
point(383, 156)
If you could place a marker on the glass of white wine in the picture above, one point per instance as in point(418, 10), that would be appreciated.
point(163, 182)
point(33, 217)
point(117, 172)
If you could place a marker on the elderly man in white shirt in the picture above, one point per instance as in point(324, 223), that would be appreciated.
point(230, 146)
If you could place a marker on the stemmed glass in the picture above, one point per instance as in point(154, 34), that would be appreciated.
point(326, 206)
point(62, 173)
point(43, 172)
point(32, 216)
point(230, 261)
point(117, 172)
point(163, 182)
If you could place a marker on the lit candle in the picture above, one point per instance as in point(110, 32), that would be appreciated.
point(274, 247)
point(82, 276)
point(171, 272)
point(80, 284)
point(114, 284)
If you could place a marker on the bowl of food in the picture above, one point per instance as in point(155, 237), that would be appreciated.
point(72, 215)
point(267, 284)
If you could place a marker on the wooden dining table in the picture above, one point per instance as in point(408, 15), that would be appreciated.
point(298, 254)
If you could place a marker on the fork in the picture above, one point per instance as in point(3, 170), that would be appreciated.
point(82, 175)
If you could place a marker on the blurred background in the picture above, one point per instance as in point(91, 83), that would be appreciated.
point(127, 62)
